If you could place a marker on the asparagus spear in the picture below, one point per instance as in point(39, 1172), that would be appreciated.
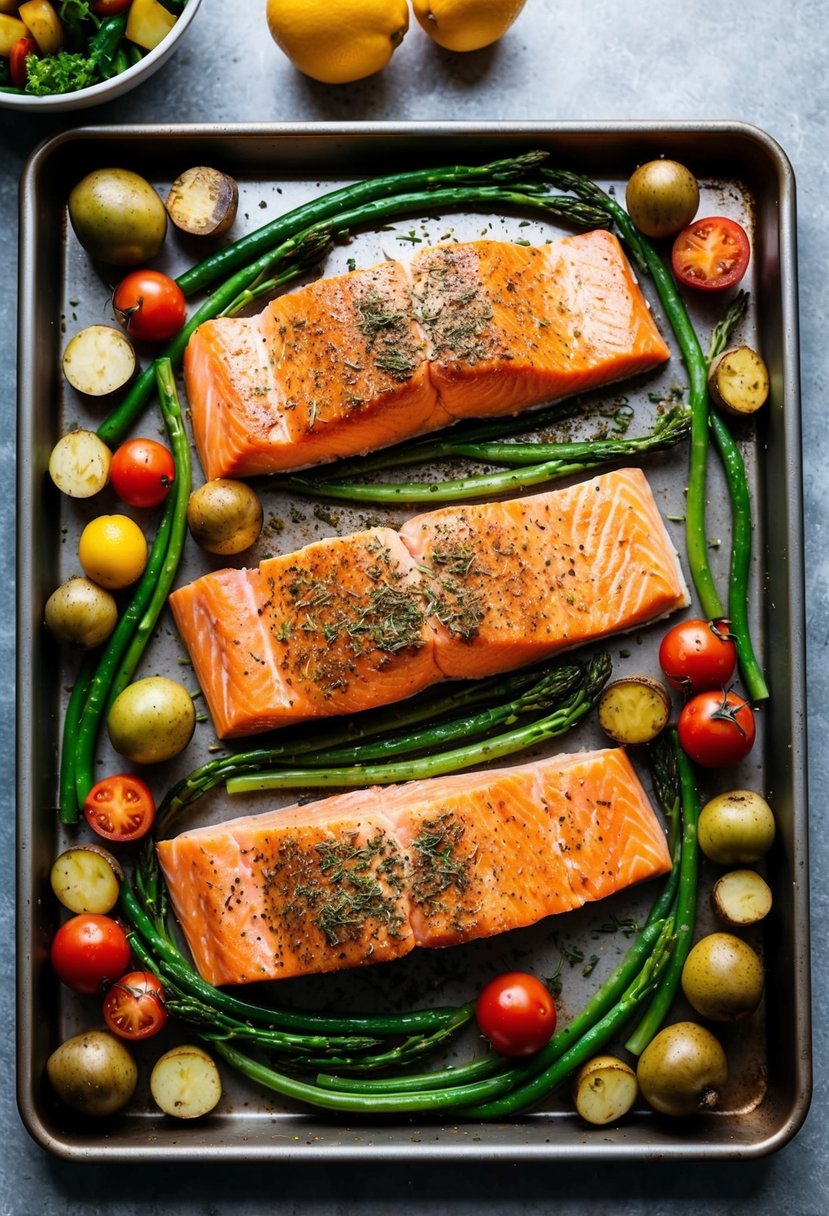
point(542, 462)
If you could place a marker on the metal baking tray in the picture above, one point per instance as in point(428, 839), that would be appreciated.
point(744, 173)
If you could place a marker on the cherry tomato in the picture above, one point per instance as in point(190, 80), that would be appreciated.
point(698, 655)
point(109, 8)
point(150, 305)
point(134, 1006)
point(88, 951)
point(20, 52)
point(711, 253)
point(516, 1013)
point(120, 808)
point(142, 472)
point(716, 729)
point(112, 551)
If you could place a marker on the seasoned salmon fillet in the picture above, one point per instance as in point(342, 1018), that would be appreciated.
point(356, 362)
point(520, 580)
point(366, 876)
point(329, 629)
point(365, 620)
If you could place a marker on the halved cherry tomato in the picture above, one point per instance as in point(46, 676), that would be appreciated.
point(20, 52)
point(88, 951)
point(698, 655)
point(716, 729)
point(120, 808)
point(134, 1006)
point(712, 253)
point(517, 1014)
point(142, 472)
point(109, 8)
point(150, 305)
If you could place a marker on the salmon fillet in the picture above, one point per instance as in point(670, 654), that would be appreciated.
point(366, 876)
point(356, 362)
point(361, 621)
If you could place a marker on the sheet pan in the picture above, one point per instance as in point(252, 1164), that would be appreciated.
point(743, 173)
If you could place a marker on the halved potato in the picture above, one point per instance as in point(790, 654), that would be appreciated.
point(186, 1083)
point(604, 1090)
point(79, 464)
point(203, 201)
point(87, 878)
point(738, 381)
point(99, 360)
point(634, 709)
point(741, 897)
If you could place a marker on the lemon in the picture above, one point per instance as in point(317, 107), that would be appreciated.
point(466, 25)
point(341, 40)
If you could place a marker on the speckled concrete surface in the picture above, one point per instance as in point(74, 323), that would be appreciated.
point(590, 60)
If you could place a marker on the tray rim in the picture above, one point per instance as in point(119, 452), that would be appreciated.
point(27, 635)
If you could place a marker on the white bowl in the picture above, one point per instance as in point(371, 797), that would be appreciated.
point(96, 94)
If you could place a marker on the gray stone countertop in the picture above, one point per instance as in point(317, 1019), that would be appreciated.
point(591, 60)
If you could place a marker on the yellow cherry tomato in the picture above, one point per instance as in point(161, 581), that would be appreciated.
point(112, 551)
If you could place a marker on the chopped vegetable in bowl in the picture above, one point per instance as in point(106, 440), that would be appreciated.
point(75, 53)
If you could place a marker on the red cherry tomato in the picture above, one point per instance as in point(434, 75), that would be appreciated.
point(109, 8)
point(516, 1012)
point(120, 808)
point(134, 1006)
point(20, 52)
point(716, 729)
point(142, 472)
point(88, 951)
point(150, 305)
point(711, 253)
point(698, 655)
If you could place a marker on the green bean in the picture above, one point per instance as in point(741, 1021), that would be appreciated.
point(129, 640)
point(685, 914)
point(67, 799)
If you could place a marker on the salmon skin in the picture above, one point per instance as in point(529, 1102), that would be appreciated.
point(366, 876)
point(356, 362)
point(364, 620)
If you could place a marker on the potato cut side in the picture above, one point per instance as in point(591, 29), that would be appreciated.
point(738, 381)
point(79, 464)
point(87, 879)
point(99, 360)
point(203, 201)
point(741, 897)
point(634, 709)
point(605, 1089)
point(186, 1083)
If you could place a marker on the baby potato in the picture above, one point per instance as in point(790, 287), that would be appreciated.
point(723, 978)
point(662, 197)
point(224, 516)
point(152, 720)
point(81, 613)
point(118, 217)
point(682, 1070)
point(736, 828)
point(93, 1073)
